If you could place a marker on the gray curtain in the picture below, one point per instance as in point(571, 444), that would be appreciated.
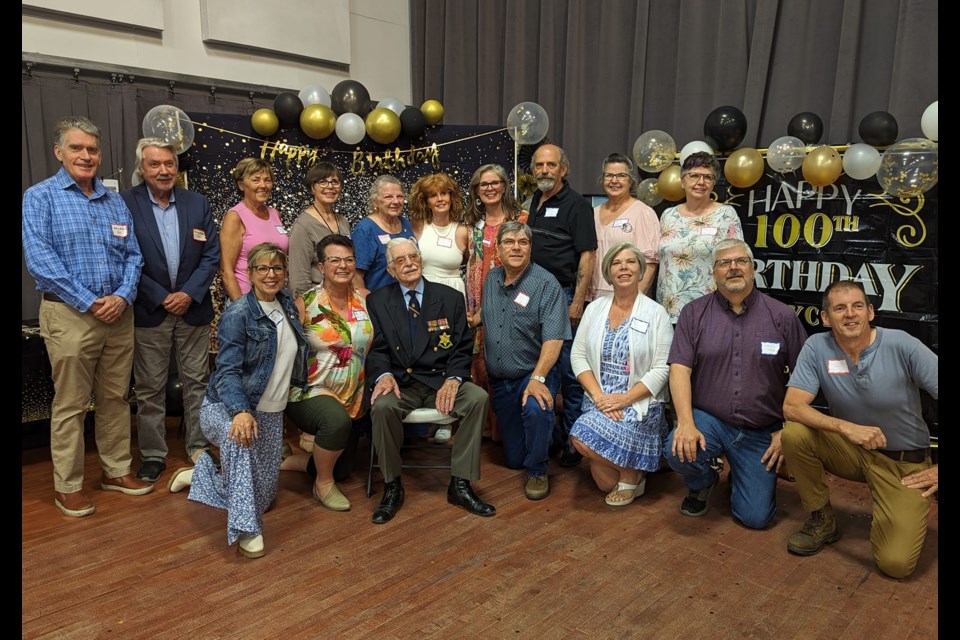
point(118, 109)
point(608, 70)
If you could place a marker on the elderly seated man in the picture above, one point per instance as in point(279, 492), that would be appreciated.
point(421, 357)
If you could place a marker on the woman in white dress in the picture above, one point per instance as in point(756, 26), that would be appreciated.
point(436, 215)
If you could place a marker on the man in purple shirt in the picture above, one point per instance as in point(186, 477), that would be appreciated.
point(729, 365)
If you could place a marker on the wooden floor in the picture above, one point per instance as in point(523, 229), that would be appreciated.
point(567, 567)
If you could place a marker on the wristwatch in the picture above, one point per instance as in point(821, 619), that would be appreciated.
point(540, 379)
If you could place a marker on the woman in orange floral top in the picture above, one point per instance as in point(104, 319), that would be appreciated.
point(491, 204)
point(339, 333)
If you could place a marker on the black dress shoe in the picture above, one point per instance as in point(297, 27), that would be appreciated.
point(390, 504)
point(461, 494)
point(570, 458)
point(150, 470)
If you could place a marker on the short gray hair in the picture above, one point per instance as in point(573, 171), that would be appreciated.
point(396, 242)
point(143, 143)
point(74, 122)
point(564, 158)
point(380, 182)
point(512, 226)
point(607, 263)
point(619, 158)
point(731, 243)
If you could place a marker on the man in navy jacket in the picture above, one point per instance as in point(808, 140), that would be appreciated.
point(173, 309)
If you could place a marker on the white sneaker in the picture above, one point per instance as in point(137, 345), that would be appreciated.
point(181, 479)
point(251, 546)
point(442, 436)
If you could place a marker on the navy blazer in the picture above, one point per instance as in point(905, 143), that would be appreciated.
point(199, 257)
point(444, 344)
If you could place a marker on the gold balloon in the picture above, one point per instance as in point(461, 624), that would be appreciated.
point(668, 184)
point(318, 121)
point(383, 125)
point(432, 110)
point(744, 167)
point(822, 166)
point(265, 122)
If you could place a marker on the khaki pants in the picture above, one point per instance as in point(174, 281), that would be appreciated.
point(899, 512)
point(87, 356)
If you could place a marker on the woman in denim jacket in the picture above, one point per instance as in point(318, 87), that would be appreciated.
point(262, 352)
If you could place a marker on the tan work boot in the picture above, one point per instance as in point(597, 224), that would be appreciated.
point(538, 487)
point(819, 529)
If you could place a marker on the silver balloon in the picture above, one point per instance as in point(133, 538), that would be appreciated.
point(170, 124)
point(648, 193)
point(314, 94)
point(909, 167)
point(786, 154)
point(861, 161)
point(393, 104)
point(654, 151)
point(527, 123)
point(350, 128)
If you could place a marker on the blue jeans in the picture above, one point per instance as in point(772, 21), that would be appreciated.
point(525, 430)
point(753, 499)
point(569, 387)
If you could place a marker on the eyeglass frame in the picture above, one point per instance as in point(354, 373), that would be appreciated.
point(329, 182)
point(726, 263)
point(267, 268)
point(338, 260)
point(700, 177)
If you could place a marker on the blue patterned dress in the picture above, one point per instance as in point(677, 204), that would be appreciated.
point(247, 482)
point(630, 443)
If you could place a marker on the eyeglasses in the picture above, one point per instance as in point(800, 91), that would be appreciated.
point(493, 184)
point(726, 263)
point(510, 242)
point(698, 177)
point(337, 261)
point(402, 260)
point(262, 269)
point(618, 177)
point(328, 182)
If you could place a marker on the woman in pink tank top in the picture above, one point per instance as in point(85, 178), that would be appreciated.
point(249, 223)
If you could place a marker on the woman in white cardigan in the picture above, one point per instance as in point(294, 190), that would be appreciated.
point(620, 358)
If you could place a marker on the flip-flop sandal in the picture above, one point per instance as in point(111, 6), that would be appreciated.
point(635, 490)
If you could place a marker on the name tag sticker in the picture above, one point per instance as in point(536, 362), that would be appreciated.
point(445, 242)
point(384, 238)
point(551, 212)
point(708, 231)
point(522, 299)
point(837, 367)
point(769, 348)
point(486, 242)
point(480, 224)
point(281, 230)
point(639, 325)
point(360, 314)
point(199, 235)
point(619, 222)
point(119, 230)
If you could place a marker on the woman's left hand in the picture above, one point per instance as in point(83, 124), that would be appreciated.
point(612, 404)
point(243, 429)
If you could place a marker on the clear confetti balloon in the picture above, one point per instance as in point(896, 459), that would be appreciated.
point(527, 123)
point(786, 154)
point(654, 151)
point(909, 167)
point(648, 193)
point(169, 124)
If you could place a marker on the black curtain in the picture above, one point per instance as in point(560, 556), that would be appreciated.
point(606, 71)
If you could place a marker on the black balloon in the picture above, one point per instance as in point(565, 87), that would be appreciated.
point(412, 122)
point(370, 106)
point(288, 107)
point(349, 96)
point(727, 126)
point(879, 129)
point(806, 126)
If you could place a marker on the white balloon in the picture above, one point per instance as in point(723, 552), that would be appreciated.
point(861, 161)
point(393, 104)
point(350, 128)
point(314, 94)
point(929, 122)
point(694, 147)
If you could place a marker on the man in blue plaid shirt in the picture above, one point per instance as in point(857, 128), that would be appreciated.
point(79, 245)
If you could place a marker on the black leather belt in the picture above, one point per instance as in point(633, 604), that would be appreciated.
point(914, 456)
point(52, 297)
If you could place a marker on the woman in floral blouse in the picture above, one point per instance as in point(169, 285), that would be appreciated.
point(688, 233)
point(339, 333)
